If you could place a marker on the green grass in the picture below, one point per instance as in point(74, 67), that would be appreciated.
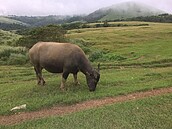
point(143, 57)
point(18, 86)
point(153, 113)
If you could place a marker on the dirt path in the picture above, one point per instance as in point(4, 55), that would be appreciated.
point(24, 116)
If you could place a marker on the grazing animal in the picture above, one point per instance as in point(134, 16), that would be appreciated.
point(62, 58)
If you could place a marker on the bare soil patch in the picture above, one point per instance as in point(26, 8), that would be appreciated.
point(62, 110)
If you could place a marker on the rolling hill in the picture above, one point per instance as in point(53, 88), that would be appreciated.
point(6, 23)
point(7, 20)
point(41, 20)
point(123, 11)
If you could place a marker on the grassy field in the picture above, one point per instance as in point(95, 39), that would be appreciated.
point(18, 86)
point(133, 58)
point(136, 44)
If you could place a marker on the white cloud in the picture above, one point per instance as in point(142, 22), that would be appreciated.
point(66, 7)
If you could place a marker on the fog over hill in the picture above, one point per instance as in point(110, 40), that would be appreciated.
point(123, 11)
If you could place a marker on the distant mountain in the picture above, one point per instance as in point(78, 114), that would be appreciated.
point(22, 22)
point(40, 20)
point(123, 11)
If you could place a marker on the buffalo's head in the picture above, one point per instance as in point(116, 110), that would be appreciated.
point(93, 78)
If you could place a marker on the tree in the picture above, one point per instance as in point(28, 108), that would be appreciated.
point(106, 24)
point(70, 26)
point(48, 33)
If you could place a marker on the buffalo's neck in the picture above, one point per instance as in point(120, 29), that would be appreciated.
point(85, 66)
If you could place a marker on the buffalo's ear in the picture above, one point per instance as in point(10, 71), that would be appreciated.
point(96, 75)
point(99, 67)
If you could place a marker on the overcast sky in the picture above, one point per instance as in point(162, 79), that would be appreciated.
point(67, 7)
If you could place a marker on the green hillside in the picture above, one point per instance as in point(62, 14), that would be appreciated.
point(139, 45)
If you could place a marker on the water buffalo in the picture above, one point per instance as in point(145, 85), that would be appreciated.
point(62, 58)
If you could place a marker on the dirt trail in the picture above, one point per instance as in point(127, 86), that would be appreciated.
point(62, 110)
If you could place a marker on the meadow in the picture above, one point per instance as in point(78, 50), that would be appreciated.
point(132, 58)
point(129, 45)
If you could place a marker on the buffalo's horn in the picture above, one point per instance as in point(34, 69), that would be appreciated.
point(99, 67)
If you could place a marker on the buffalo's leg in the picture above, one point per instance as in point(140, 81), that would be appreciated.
point(76, 79)
point(63, 81)
point(40, 79)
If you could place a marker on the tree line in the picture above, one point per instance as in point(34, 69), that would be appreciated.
point(53, 33)
point(14, 26)
point(75, 21)
point(163, 18)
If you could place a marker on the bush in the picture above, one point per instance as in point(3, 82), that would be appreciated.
point(96, 55)
point(5, 53)
point(13, 55)
point(17, 59)
point(104, 56)
point(113, 57)
point(50, 33)
point(70, 26)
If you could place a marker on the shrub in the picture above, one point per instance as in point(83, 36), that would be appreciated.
point(96, 55)
point(5, 53)
point(113, 57)
point(17, 59)
point(104, 56)
point(13, 55)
